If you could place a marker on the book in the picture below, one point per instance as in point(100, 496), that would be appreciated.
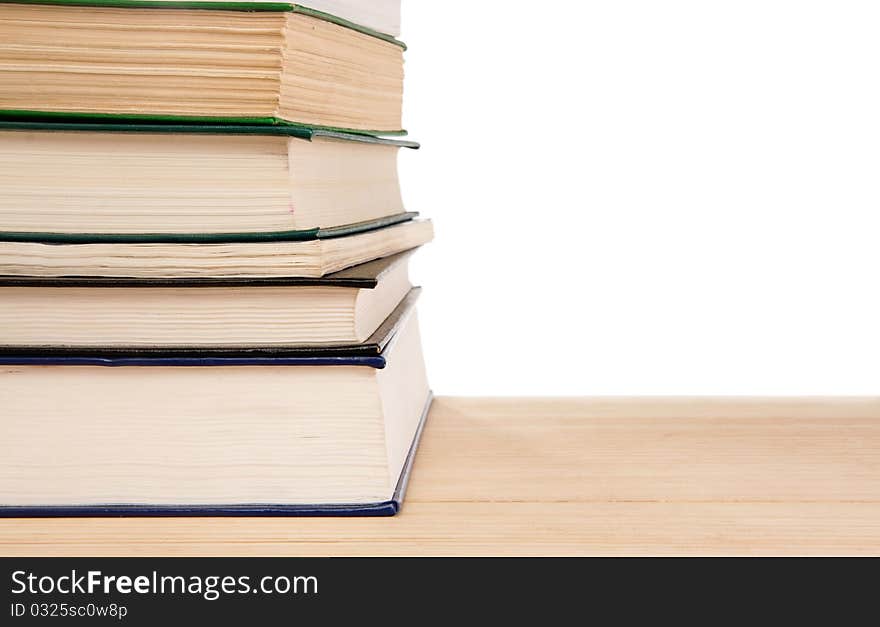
point(247, 62)
point(344, 312)
point(368, 353)
point(236, 260)
point(70, 182)
point(250, 437)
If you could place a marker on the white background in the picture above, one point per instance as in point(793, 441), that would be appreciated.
point(642, 197)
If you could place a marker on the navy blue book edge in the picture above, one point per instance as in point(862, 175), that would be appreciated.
point(370, 510)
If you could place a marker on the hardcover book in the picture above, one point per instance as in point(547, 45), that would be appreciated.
point(154, 183)
point(331, 252)
point(351, 312)
point(240, 436)
point(233, 62)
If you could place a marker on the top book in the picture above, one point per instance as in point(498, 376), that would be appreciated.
point(221, 62)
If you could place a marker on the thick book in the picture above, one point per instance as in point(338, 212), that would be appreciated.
point(233, 62)
point(249, 437)
point(350, 312)
point(168, 183)
point(330, 253)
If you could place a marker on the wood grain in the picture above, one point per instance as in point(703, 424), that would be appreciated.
point(573, 477)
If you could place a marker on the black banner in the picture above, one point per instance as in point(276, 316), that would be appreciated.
point(364, 591)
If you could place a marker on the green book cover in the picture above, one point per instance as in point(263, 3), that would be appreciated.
point(33, 121)
point(208, 238)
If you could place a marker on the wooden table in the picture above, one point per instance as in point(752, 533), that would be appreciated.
point(575, 477)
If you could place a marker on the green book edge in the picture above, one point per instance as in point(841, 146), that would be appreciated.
point(134, 118)
point(239, 7)
point(208, 238)
point(287, 130)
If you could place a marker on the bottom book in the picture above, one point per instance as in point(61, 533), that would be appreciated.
point(309, 437)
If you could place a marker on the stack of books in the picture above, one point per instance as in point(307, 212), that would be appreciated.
point(205, 304)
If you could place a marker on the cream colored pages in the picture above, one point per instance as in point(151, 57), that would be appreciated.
point(337, 183)
point(157, 184)
point(280, 259)
point(200, 64)
point(403, 386)
point(132, 183)
point(191, 436)
point(364, 77)
point(124, 61)
point(197, 317)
